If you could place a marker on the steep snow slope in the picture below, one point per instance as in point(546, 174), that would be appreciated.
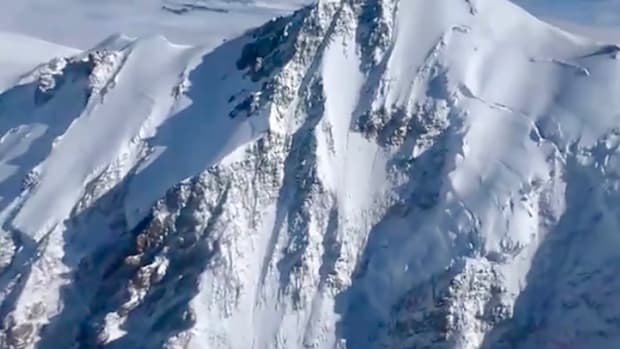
point(361, 174)
point(610, 34)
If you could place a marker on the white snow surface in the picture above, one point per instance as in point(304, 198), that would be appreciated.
point(359, 174)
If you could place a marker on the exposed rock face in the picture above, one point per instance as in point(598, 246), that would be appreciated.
point(364, 174)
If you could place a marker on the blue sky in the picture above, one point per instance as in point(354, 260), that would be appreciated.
point(599, 12)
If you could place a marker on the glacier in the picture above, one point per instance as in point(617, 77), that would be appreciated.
point(358, 174)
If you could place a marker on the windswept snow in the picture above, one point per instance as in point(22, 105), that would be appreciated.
point(358, 174)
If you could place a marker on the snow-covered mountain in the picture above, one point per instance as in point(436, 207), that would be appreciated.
point(361, 174)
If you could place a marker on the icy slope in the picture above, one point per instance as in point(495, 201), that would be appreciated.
point(361, 174)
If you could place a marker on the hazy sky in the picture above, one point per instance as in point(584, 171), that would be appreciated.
point(599, 12)
point(82, 23)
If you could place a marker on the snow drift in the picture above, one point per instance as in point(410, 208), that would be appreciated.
point(360, 174)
